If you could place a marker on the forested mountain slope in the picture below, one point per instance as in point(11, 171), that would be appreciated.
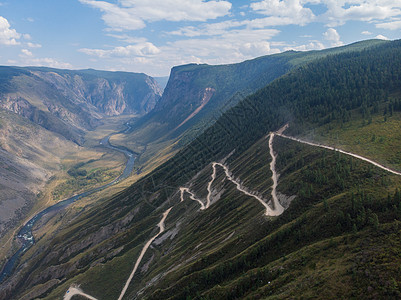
point(197, 95)
point(338, 238)
point(196, 90)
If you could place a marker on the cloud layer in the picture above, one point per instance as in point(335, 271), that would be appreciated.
point(8, 36)
point(132, 14)
point(284, 12)
point(28, 58)
point(152, 36)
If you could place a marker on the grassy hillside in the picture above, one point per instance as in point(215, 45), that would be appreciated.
point(316, 242)
point(317, 247)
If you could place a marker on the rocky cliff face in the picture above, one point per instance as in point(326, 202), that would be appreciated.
point(70, 102)
point(197, 94)
point(183, 98)
point(108, 93)
point(56, 118)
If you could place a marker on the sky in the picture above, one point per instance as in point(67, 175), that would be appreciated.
point(152, 36)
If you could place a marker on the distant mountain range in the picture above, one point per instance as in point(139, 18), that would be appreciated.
point(68, 102)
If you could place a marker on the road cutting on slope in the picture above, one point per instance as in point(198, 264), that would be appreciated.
point(341, 151)
point(276, 211)
point(72, 291)
point(138, 261)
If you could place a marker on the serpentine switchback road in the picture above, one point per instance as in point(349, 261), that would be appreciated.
point(25, 235)
point(277, 210)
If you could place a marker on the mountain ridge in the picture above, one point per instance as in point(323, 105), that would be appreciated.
point(182, 114)
point(76, 99)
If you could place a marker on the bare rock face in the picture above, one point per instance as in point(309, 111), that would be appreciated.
point(17, 105)
point(183, 98)
point(70, 102)
point(106, 92)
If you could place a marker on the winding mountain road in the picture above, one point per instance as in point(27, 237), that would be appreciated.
point(276, 211)
point(72, 291)
point(277, 204)
point(192, 196)
point(278, 208)
point(161, 226)
point(341, 151)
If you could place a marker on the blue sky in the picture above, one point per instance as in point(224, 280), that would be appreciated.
point(151, 36)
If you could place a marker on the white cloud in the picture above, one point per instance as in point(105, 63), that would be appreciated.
point(33, 45)
point(221, 28)
point(292, 11)
point(341, 11)
point(312, 45)
point(381, 37)
point(26, 53)
point(132, 14)
point(141, 49)
point(28, 58)
point(127, 38)
point(115, 17)
point(47, 62)
point(234, 46)
point(332, 35)
point(366, 32)
point(231, 47)
point(395, 25)
point(8, 36)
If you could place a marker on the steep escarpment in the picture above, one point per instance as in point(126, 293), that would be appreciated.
point(111, 93)
point(70, 102)
point(196, 95)
point(29, 157)
point(199, 94)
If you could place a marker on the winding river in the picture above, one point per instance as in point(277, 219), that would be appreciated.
point(25, 235)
